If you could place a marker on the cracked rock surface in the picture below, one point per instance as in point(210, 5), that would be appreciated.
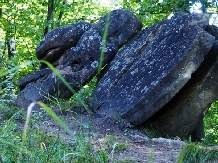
point(151, 69)
point(75, 51)
point(164, 74)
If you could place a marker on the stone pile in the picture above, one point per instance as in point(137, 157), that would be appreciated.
point(164, 75)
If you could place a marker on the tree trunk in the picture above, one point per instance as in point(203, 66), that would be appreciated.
point(0, 13)
point(49, 15)
point(61, 14)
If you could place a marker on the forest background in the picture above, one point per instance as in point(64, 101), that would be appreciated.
point(23, 23)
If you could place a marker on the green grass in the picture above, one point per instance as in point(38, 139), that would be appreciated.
point(211, 125)
point(193, 153)
point(38, 146)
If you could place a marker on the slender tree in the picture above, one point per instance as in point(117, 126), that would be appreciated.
point(49, 15)
point(61, 13)
point(0, 13)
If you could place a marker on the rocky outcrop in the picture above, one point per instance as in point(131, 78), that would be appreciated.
point(75, 51)
point(152, 68)
point(164, 75)
point(184, 113)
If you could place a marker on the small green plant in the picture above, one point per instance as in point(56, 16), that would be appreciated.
point(121, 147)
point(193, 153)
point(84, 94)
point(6, 112)
point(109, 141)
point(149, 130)
point(111, 144)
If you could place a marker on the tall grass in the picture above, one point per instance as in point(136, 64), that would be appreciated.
point(34, 145)
point(30, 146)
point(193, 153)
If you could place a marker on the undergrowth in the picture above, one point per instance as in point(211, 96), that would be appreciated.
point(39, 146)
point(211, 125)
point(193, 153)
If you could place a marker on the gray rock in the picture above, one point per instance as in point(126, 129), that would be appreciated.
point(33, 77)
point(122, 62)
point(213, 30)
point(79, 64)
point(83, 60)
point(59, 39)
point(119, 33)
point(152, 68)
point(184, 113)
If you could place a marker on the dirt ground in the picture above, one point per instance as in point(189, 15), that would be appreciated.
point(132, 145)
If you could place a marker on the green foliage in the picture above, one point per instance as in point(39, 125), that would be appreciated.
point(40, 147)
point(151, 11)
point(211, 125)
point(150, 131)
point(26, 20)
point(6, 112)
point(111, 144)
point(121, 147)
point(84, 95)
point(192, 153)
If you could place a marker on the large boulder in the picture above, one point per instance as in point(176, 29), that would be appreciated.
point(151, 69)
point(80, 63)
point(183, 115)
point(165, 75)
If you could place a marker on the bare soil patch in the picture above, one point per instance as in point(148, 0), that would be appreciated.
point(131, 145)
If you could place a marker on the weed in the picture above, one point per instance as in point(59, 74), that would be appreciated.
point(109, 141)
point(121, 147)
point(149, 130)
point(111, 144)
point(193, 153)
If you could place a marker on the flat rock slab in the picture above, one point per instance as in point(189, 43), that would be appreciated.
point(79, 64)
point(186, 110)
point(151, 69)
